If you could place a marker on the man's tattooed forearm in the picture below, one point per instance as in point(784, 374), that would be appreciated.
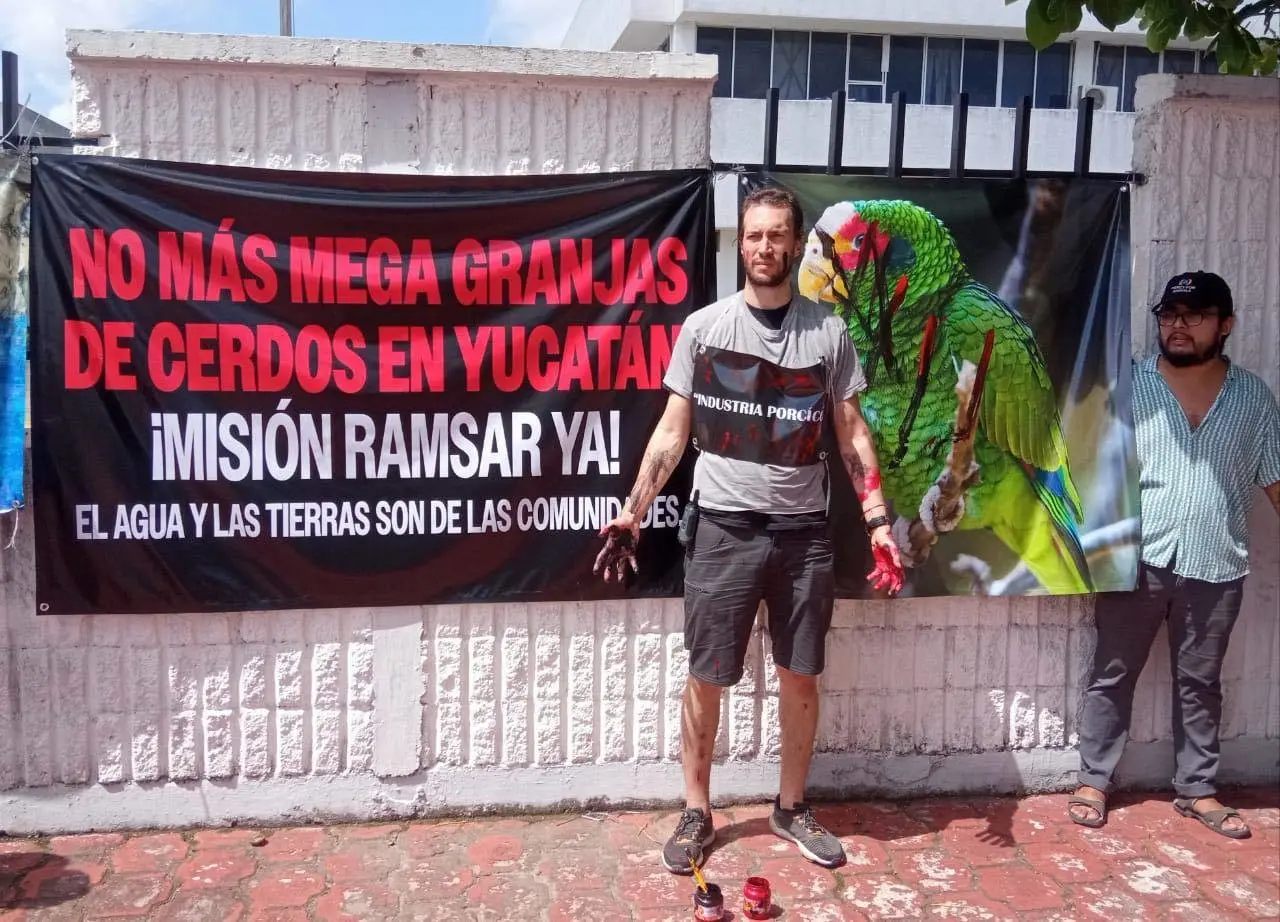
point(864, 481)
point(655, 469)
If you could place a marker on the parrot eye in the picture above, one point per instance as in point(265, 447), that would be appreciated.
point(858, 240)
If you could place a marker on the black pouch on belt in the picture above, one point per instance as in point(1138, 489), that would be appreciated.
point(688, 521)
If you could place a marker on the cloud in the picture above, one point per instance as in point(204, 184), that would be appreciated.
point(36, 31)
point(532, 23)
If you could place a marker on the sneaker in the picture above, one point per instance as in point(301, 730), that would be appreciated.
point(693, 833)
point(802, 827)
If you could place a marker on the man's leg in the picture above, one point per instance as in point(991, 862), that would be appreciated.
point(1200, 626)
point(798, 716)
point(723, 571)
point(1127, 623)
point(800, 593)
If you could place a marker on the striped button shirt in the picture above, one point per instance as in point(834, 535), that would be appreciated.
point(1196, 486)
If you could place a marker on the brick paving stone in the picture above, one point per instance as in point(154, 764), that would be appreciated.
point(969, 906)
point(881, 896)
point(979, 846)
point(1244, 893)
point(863, 854)
point(1156, 881)
point(1106, 844)
point(275, 914)
point(1111, 902)
point(357, 903)
point(1199, 912)
point(224, 838)
point(654, 885)
point(294, 845)
point(796, 878)
point(151, 853)
point(932, 871)
point(91, 843)
point(427, 883)
point(61, 880)
point(509, 897)
point(201, 906)
point(127, 896)
point(215, 868)
point(568, 873)
point(284, 886)
point(824, 911)
point(495, 852)
point(451, 911)
point(1064, 862)
point(1021, 888)
point(1265, 866)
point(584, 906)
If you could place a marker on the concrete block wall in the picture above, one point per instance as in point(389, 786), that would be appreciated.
point(128, 721)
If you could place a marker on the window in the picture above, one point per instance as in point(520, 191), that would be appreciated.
point(1121, 66)
point(981, 70)
point(1053, 77)
point(906, 66)
point(719, 42)
point(1179, 62)
point(791, 64)
point(1045, 76)
point(942, 70)
point(866, 68)
point(1019, 74)
point(752, 57)
point(827, 64)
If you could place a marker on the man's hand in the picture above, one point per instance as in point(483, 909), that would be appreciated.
point(619, 551)
point(888, 573)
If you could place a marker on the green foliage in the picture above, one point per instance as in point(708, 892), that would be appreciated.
point(1238, 50)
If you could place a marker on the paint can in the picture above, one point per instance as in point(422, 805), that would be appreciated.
point(708, 905)
point(757, 901)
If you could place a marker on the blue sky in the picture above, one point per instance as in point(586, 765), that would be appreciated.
point(35, 29)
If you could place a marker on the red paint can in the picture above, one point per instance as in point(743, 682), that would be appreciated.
point(756, 899)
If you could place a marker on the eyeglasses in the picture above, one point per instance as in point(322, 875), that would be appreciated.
point(1188, 318)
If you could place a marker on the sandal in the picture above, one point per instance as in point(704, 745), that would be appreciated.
point(1099, 805)
point(1214, 819)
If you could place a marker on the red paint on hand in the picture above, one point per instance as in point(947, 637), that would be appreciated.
point(888, 573)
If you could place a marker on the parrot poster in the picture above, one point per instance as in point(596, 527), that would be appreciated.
point(966, 407)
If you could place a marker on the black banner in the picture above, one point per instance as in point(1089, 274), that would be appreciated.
point(257, 389)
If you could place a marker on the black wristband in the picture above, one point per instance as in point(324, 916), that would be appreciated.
point(877, 522)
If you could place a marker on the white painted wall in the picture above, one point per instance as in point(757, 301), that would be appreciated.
point(129, 721)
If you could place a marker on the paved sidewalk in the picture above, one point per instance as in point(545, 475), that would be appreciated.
point(964, 859)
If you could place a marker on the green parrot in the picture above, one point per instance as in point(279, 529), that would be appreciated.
point(893, 273)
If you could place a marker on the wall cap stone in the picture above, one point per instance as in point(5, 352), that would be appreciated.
point(91, 45)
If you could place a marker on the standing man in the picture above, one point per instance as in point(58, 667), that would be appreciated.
point(1208, 434)
point(754, 377)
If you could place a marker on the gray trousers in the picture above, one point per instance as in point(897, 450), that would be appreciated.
point(1200, 617)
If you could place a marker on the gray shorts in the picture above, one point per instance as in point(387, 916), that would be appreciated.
point(729, 570)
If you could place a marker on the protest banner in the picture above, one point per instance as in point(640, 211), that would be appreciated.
point(260, 389)
point(991, 317)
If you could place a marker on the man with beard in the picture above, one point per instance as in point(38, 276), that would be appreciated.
point(754, 378)
point(1208, 434)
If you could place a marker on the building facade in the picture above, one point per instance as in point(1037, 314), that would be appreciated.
point(928, 50)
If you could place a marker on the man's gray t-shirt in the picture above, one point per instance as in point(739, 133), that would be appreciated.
point(810, 335)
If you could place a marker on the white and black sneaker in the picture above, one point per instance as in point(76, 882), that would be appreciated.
point(693, 833)
point(802, 827)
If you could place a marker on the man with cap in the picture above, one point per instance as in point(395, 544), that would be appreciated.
point(1208, 435)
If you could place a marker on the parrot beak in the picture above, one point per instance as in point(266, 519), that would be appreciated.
point(820, 282)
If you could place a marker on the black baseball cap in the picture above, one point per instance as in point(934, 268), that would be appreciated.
point(1198, 291)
